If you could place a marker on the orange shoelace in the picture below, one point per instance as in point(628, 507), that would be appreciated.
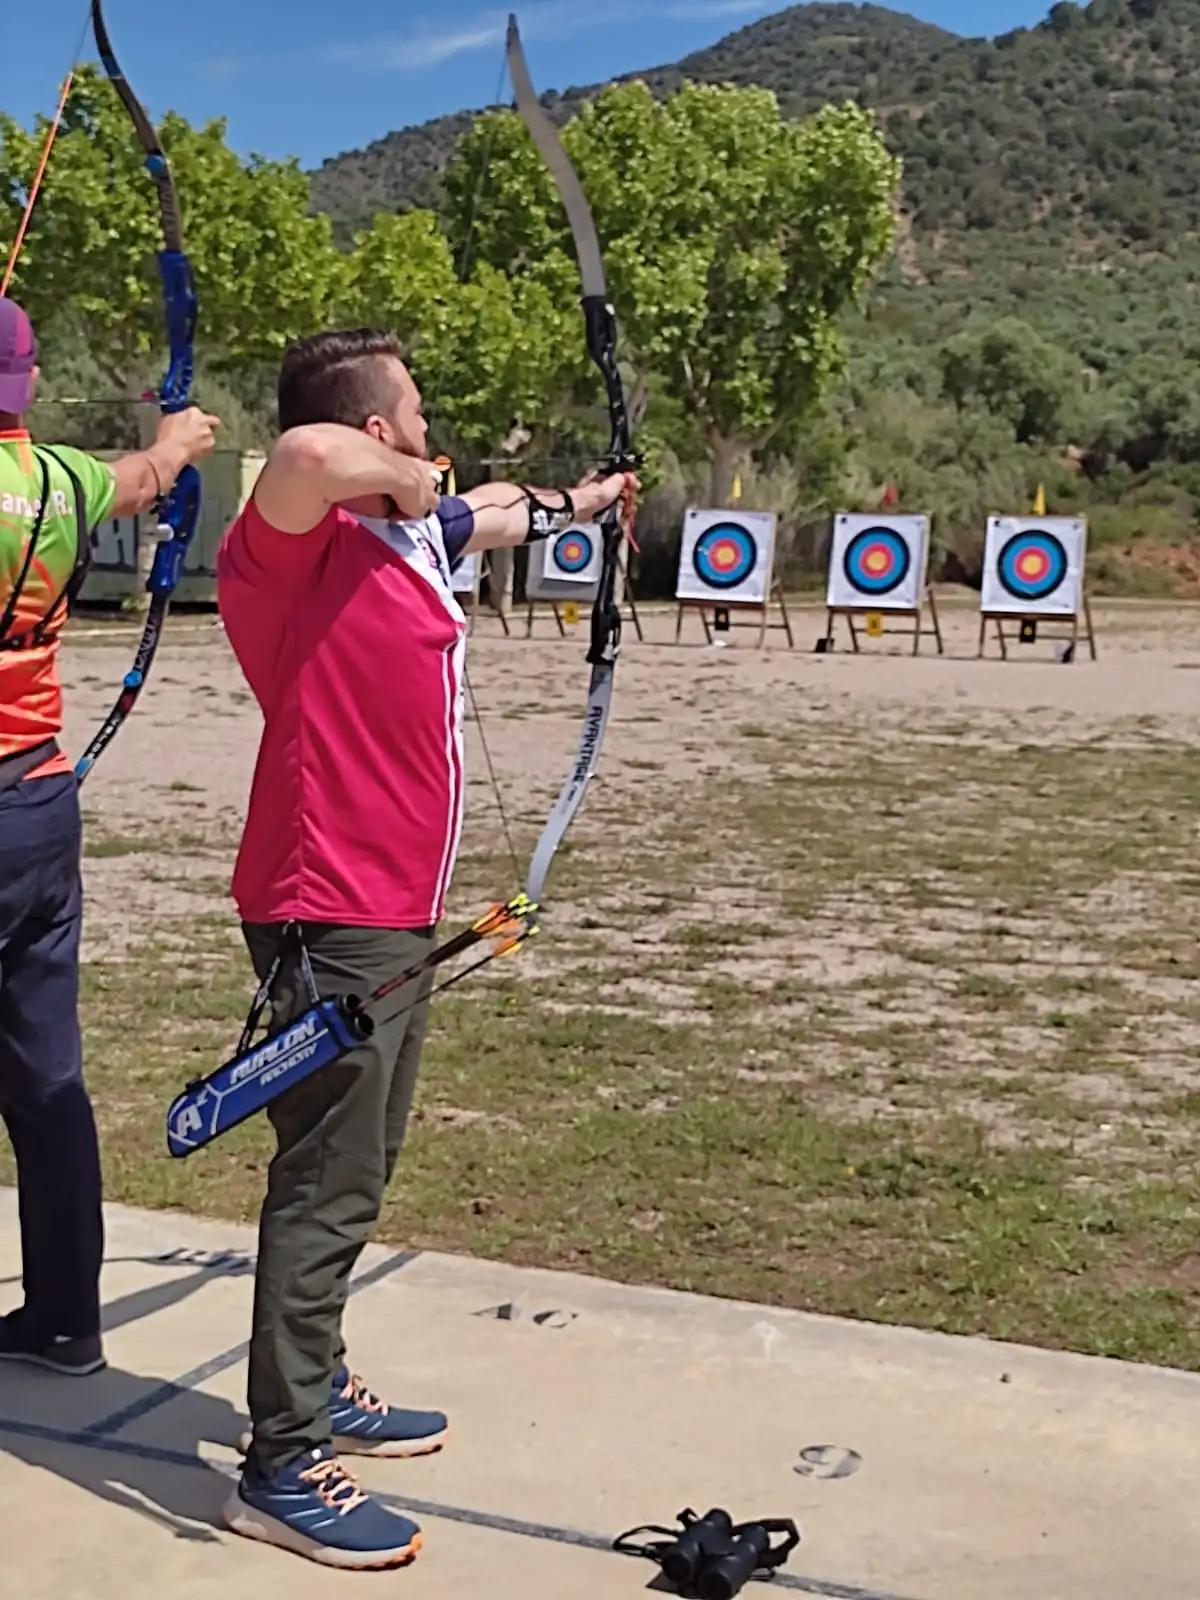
point(337, 1487)
point(359, 1395)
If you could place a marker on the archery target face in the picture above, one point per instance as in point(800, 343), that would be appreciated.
point(1033, 566)
point(566, 567)
point(571, 553)
point(877, 561)
point(726, 557)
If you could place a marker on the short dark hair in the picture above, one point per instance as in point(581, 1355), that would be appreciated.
point(341, 376)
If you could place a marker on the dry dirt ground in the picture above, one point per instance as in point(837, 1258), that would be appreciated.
point(868, 984)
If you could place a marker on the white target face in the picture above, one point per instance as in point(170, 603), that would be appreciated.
point(726, 557)
point(1033, 566)
point(877, 561)
point(465, 577)
point(566, 567)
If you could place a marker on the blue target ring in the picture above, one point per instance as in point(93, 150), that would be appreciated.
point(573, 551)
point(877, 561)
point(1032, 564)
point(725, 555)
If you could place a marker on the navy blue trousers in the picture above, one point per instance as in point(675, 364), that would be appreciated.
point(43, 1101)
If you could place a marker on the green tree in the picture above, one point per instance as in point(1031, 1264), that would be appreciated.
point(399, 275)
point(732, 241)
point(1163, 416)
point(494, 359)
point(1014, 372)
point(266, 270)
point(483, 351)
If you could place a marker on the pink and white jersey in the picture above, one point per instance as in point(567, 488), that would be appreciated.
point(354, 645)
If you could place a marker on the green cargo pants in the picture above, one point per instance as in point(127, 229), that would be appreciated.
point(338, 1135)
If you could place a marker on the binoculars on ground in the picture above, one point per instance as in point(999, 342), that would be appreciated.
point(712, 1557)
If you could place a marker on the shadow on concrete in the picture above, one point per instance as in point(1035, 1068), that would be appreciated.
point(155, 1297)
point(171, 1292)
point(174, 1487)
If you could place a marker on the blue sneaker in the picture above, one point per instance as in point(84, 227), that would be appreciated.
point(316, 1508)
point(364, 1425)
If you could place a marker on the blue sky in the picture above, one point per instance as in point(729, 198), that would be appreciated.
point(310, 78)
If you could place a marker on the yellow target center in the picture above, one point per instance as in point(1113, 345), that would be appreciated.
point(1033, 564)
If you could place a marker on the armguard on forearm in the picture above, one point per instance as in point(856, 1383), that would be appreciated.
point(544, 520)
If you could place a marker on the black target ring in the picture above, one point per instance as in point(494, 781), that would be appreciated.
point(1032, 564)
point(877, 561)
point(725, 555)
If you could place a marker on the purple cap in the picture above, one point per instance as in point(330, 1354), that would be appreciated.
point(18, 357)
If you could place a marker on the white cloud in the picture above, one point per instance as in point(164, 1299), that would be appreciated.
point(423, 47)
point(699, 9)
point(223, 68)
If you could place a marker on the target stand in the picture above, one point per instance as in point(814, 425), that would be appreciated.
point(726, 561)
point(877, 575)
point(466, 581)
point(1033, 580)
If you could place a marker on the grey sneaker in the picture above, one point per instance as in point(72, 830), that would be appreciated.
point(73, 1357)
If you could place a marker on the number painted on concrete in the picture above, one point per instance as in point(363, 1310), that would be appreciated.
point(827, 1461)
point(511, 1312)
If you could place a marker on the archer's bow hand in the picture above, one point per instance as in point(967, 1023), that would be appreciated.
point(190, 434)
point(594, 494)
point(145, 478)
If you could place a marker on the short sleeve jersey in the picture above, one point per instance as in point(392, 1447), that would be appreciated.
point(354, 645)
point(30, 690)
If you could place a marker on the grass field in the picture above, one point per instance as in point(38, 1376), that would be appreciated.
point(878, 1006)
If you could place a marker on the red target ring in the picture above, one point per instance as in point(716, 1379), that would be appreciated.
point(725, 555)
point(877, 561)
point(1032, 564)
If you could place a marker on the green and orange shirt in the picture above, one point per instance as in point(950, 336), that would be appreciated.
point(30, 690)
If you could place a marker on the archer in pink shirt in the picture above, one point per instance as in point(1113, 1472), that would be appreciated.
point(335, 588)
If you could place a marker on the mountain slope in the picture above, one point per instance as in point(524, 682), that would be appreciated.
point(1085, 128)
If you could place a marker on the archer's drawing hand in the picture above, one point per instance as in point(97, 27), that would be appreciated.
point(417, 488)
point(593, 494)
point(191, 434)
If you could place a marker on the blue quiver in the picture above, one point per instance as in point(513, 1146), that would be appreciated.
point(210, 1106)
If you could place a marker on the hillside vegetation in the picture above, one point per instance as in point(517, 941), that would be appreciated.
point(1088, 124)
point(1037, 320)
